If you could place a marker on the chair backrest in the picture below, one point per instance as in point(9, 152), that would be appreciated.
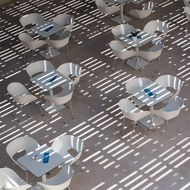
point(19, 93)
point(122, 29)
point(25, 39)
point(64, 96)
point(33, 18)
point(61, 181)
point(11, 181)
point(120, 51)
point(169, 81)
point(38, 67)
point(187, 12)
point(68, 69)
point(101, 5)
point(134, 85)
point(25, 143)
point(130, 111)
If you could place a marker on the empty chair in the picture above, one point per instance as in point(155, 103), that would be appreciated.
point(65, 144)
point(24, 143)
point(153, 53)
point(105, 9)
point(187, 3)
point(187, 12)
point(170, 82)
point(61, 42)
point(38, 67)
point(31, 19)
point(157, 26)
point(122, 29)
point(62, 97)
point(59, 182)
point(135, 85)
point(120, 51)
point(131, 112)
point(70, 70)
point(30, 43)
point(11, 181)
point(144, 12)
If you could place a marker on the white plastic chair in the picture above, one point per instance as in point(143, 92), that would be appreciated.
point(131, 112)
point(30, 43)
point(70, 70)
point(135, 85)
point(24, 143)
point(153, 53)
point(59, 182)
point(39, 67)
point(105, 9)
point(187, 12)
point(143, 13)
point(63, 97)
point(171, 82)
point(64, 143)
point(9, 180)
point(187, 3)
point(61, 43)
point(157, 26)
point(120, 51)
point(32, 18)
point(122, 29)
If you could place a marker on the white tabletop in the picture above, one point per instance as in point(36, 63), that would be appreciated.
point(36, 165)
point(159, 94)
point(41, 29)
point(44, 82)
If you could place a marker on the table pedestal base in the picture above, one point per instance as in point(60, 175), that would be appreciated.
point(50, 53)
point(118, 20)
point(137, 62)
point(51, 108)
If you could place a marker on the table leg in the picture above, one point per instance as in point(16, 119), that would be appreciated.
point(121, 13)
point(151, 116)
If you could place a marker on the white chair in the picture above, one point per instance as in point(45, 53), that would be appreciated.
point(144, 12)
point(187, 12)
point(170, 111)
point(24, 143)
point(105, 9)
point(187, 3)
point(30, 19)
point(70, 70)
point(39, 67)
point(59, 182)
point(30, 43)
point(135, 85)
point(64, 143)
point(64, 20)
point(157, 26)
point(170, 82)
point(122, 29)
point(131, 112)
point(153, 53)
point(62, 97)
point(121, 52)
point(61, 42)
point(9, 180)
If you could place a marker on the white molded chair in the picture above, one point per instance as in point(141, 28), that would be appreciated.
point(23, 143)
point(187, 12)
point(61, 43)
point(105, 9)
point(30, 43)
point(120, 51)
point(171, 82)
point(135, 85)
point(131, 112)
point(70, 70)
point(39, 67)
point(143, 13)
point(9, 180)
point(59, 182)
point(157, 26)
point(153, 53)
point(32, 18)
point(62, 97)
point(122, 29)
point(64, 143)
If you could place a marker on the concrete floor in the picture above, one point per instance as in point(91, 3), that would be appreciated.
point(145, 160)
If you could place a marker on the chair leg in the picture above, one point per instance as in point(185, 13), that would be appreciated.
point(71, 109)
point(26, 176)
point(68, 51)
point(113, 65)
point(106, 21)
point(123, 126)
point(61, 113)
point(187, 28)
